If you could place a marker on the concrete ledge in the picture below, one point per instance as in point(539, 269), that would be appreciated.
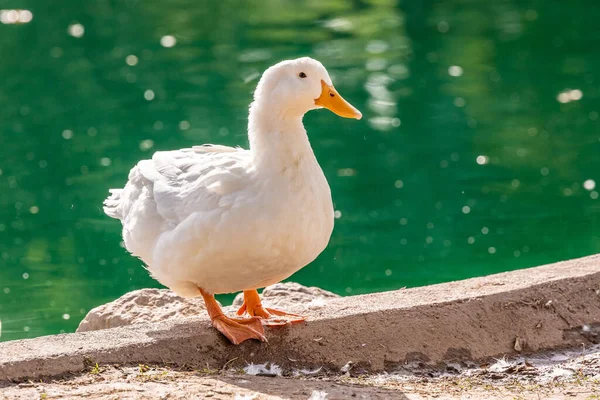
point(541, 308)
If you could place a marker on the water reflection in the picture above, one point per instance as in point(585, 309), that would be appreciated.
point(15, 16)
point(477, 154)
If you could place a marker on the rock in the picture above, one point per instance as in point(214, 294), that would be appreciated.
point(519, 344)
point(152, 305)
point(145, 305)
point(289, 295)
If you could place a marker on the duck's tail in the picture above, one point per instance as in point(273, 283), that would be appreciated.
point(112, 204)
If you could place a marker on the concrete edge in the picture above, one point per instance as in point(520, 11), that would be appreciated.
point(542, 308)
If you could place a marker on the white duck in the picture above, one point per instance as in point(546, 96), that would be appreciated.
point(216, 219)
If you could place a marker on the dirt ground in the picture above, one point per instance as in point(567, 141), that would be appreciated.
point(573, 374)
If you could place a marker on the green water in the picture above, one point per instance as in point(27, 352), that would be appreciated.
point(469, 160)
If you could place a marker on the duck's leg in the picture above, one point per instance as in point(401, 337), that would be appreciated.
point(235, 329)
point(254, 308)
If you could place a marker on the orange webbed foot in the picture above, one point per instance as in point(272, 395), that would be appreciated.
point(288, 318)
point(253, 307)
point(236, 330)
point(239, 330)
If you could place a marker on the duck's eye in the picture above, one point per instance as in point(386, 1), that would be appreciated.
point(302, 75)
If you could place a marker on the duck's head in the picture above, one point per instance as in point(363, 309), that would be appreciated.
point(294, 87)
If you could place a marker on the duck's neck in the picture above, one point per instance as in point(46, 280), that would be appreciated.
point(277, 141)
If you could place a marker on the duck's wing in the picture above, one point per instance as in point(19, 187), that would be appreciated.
point(181, 182)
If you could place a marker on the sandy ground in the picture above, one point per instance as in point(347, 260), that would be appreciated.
point(573, 374)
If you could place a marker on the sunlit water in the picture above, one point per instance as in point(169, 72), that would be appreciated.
point(478, 153)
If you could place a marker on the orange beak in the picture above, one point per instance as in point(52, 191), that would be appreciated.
point(332, 100)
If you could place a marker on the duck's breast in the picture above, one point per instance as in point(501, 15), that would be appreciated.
point(306, 214)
